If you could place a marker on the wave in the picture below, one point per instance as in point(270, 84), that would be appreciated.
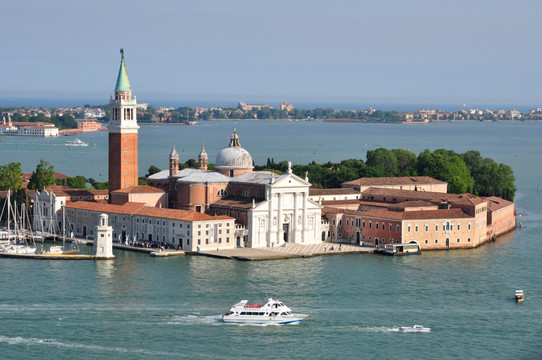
point(18, 340)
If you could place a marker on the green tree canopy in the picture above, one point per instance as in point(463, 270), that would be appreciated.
point(11, 176)
point(152, 170)
point(447, 166)
point(43, 176)
point(384, 160)
point(77, 182)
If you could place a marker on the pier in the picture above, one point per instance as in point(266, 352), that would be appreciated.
point(286, 251)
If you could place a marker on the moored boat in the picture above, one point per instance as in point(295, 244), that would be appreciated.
point(400, 249)
point(60, 250)
point(273, 312)
point(520, 296)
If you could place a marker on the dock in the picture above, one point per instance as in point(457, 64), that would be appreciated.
point(56, 257)
point(286, 251)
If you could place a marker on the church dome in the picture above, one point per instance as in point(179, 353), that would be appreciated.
point(234, 156)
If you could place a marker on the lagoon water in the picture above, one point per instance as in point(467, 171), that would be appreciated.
point(138, 307)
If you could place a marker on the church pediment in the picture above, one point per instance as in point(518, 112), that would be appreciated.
point(290, 180)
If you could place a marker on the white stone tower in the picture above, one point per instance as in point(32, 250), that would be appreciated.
point(103, 243)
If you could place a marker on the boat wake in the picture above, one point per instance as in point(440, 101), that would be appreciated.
point(379, 329)
point(18, 340)
point(187, 320)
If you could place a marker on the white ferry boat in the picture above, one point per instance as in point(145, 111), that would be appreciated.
point(76, 142)
point(274, 312)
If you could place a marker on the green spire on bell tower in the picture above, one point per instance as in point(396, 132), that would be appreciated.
point(123, 84)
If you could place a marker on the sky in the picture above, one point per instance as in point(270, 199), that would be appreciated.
point(343, 51)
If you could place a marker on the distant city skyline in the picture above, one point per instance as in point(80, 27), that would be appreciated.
point(300, 51)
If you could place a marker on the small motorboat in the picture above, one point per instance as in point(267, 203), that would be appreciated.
point(76, 142)
point(520, 296)
point(274, 312)
point(415, 328)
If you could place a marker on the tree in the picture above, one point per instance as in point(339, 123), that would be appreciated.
point(43, 176)
point(447, 166)
point(383, 160)
point(494, 179)
point(98, 185)
point(152, 170)
point(406, 162)
point(77, 182)
point(11, 176)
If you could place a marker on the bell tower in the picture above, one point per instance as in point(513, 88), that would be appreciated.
point(122, 134)
point(202, 158)
point(173, 162)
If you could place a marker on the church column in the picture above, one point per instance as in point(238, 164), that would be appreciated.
point(295, 227)
point(304, 230)
point(269, 235)
point(279, 220)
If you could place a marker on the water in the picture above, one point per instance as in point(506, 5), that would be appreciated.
point(139, 307)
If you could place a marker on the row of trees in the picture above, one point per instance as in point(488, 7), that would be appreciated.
point(11, 177)
point(467, 172)
point(265, 113)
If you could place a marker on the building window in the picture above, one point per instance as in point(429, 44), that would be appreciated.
point(416, 228)
point(370, 224)
point(458, 240)
point(468, 226)
point(376, 225)
point(436, 227)
point(468, 239)
point(391, 227)
point(426, 228)
point(398, 228)
point(408, 228)
point(458, 227)
point(426, 241)
point(436, 241)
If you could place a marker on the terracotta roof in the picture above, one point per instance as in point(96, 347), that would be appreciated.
point(128, 208)
point(27, 175)
point(424, 195)
point(407, 180)
point(235, 202)
point(139, 189)
point(495, 203)
point(133, 208)
point(336, 191)
point(413, 204)
point(176, 214)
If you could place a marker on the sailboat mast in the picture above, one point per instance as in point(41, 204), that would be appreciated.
point(9, 205)
point(63, 225)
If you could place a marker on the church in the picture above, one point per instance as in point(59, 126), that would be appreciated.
point(273, 209)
